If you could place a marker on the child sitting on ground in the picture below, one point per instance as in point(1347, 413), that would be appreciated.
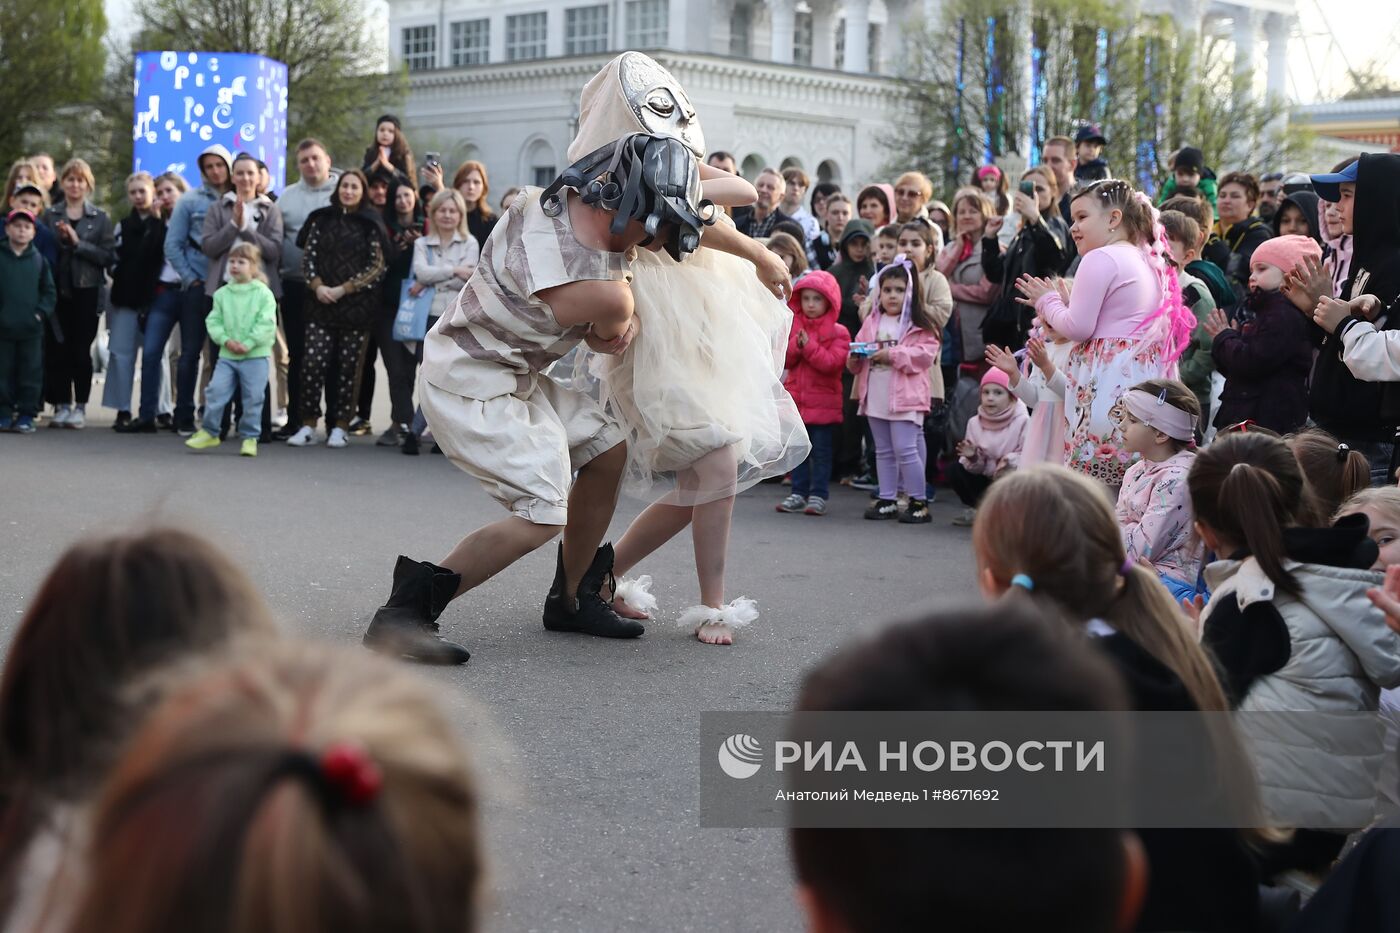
point(891, 359)
point(816, 355)
point(243, 324)
point(1291, 628)
point(992, 445)
point(1334, 471)
point(1160, 418)
point(1266, 362)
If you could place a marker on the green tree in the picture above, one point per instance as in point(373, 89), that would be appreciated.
point(335, 82)
point(51, 56)
point(968, 81)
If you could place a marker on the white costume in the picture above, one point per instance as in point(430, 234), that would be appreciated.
point(699, 391)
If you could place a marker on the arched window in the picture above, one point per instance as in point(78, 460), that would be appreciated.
point(828, 170)
point(790, 162)
point(538, 163)
point(753, 164)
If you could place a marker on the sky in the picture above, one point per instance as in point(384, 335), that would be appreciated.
point(1348, 34)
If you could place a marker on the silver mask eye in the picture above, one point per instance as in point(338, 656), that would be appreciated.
point(658, 101)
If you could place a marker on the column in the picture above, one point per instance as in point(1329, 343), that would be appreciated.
point(824, 35)
point(783, 14)
point(1246, 24)
point(1278, 27)
point(677, 28)
point(1023, 39)
point(858, 36)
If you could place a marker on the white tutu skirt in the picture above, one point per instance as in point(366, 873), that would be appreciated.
point(699, 392)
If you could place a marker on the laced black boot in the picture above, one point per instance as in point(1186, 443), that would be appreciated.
point(406, 626)
point(590, 614)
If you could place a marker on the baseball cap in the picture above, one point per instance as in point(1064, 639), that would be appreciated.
point(1090, 133)
point(1329, 187)
point(18, 215)
point(1294, 182)
point(28, 186)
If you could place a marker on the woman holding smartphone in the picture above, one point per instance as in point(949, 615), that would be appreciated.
point(1041, 248)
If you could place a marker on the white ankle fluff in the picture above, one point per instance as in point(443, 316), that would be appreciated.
point(635, 592)
point(737, 614)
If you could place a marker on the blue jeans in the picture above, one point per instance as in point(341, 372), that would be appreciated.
point(173, 306)
point(248, 375)
point(812, 477)
point(123, 342)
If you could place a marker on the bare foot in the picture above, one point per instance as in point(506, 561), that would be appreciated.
point(627, 612)
point(715, 633)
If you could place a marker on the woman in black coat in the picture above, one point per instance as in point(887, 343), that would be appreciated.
point(135, 278)
point(343, 258)
point(1040, 248)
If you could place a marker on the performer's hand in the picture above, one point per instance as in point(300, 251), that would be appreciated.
point(616, 345)
point(772, 271)
point(1330, 313)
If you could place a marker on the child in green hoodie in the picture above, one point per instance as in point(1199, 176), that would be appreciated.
point(26, 299)
point(244, 325)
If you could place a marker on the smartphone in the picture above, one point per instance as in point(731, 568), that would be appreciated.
point(1028, 188)
point(434, 159)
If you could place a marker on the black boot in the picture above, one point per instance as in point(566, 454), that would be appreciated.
point(406, 626)
point(592, 614)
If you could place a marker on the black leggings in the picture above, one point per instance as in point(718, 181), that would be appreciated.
point(68, 365)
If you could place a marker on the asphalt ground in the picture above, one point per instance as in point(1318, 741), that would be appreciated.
point(587, 748)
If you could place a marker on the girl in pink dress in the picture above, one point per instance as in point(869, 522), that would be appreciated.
point(1125, 314)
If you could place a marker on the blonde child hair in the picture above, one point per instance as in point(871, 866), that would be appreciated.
point(1385, 499)
point(295, 787)
point(253, 254)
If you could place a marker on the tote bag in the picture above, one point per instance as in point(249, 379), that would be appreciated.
point(411, 321)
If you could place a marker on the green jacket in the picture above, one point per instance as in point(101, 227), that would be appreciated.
point(247, 313)
point(1196, 364)
point(26, 293)
point(1207, 187)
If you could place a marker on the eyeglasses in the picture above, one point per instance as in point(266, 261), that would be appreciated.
point(908, 192)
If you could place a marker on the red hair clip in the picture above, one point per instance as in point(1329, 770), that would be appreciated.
point(347, 767)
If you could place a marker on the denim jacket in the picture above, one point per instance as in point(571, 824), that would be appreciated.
point(184, 235)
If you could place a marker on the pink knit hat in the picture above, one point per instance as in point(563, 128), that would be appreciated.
point(1286, 252)
point(996, 377)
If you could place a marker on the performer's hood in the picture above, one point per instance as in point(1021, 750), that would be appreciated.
point(634, 94)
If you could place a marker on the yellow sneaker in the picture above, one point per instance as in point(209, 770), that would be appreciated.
point(249, 448)
point(202, 440)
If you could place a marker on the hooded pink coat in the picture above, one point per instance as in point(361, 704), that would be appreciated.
point(814, 370)
point(910, 359)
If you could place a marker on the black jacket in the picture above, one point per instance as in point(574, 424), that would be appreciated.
point(1203, 880)
point(140, 256)
point(1243, 239)
point(1340, 403)
point(849, 274)
point(1265, 365)
point(1096, 170)
point(1306, 202)
point(1042, 249)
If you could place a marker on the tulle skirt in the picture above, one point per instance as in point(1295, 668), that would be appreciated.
point(1045, 438)
point(699, 391)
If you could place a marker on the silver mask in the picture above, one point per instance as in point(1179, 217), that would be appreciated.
point(659, 103)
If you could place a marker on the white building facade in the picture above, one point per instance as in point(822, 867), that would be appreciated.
point(776, 82)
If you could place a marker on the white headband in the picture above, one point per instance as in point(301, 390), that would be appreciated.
point(1155, 412)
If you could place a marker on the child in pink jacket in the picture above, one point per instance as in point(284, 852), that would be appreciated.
point(995, 438)
point(891, 359)
point(816, 355)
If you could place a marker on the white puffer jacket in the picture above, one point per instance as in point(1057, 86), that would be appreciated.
point(1315, 773)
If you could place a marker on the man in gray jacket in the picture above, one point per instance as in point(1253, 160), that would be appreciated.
point(312, 192)
point(183, 238)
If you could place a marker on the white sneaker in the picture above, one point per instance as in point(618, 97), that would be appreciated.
point(337, 438)
point(78, 419)
point(303, 438)
point(279, 418)
point(61, 415)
